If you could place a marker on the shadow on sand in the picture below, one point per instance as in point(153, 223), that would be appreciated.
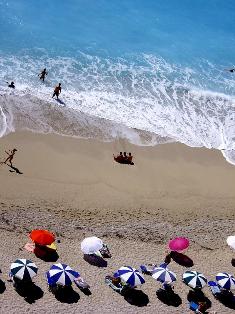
point(136, 297)
point(227, 299)
point(67, 295)
point(181, 259)
point(169, 298)
point(2, 286)
point(198, 296)
point(95, 260)
point(29, 291)
point(14, 169)
point(61, 102)
point(46, 254)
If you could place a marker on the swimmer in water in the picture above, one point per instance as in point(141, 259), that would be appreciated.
point(43, 74)
point(12, 85)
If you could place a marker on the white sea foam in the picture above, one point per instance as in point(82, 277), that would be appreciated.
point(117, 97)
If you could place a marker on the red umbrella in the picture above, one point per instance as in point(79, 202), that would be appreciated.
point(42, 237)
point(178, 244)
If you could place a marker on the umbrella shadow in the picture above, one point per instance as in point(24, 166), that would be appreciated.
point(169, 298)
point(29, 291)
point(95, 260)
point(198, 296)
point(2, 286)
point(46, 254)
point(181, 259)
point(136, 297)
point(227, 299)
point(66, 294)
point(233, 262)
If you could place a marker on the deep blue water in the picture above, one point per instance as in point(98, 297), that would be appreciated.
point(153, 65)
point(179, 30)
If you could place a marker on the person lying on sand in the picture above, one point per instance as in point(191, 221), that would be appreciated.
point(43, 74)
point(10, 157)
point(124, 159)
point(11, 85)
point(57, 91)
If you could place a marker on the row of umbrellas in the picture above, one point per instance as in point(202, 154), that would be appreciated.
point(192, 279)
point(26, 270)
point(89, 245)
point(92, 244)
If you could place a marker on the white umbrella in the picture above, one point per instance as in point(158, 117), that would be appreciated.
point(91, 245)
point(231, 241)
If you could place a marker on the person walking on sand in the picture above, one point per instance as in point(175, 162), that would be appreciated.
point(43, 74)
point(57, 91)
point(10, 157)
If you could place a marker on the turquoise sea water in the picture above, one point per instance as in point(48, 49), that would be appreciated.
point(156, 66)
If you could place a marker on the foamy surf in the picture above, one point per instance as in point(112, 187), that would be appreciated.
point(144, 99)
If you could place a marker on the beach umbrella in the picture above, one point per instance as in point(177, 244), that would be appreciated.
point(91, 245)
point(62, 274)
point(163, 275)
point(194, 279)
point(42, 237)
point(226, 281)
point(23, 269)
point(131, 276)
point(178, 244)
point(231, 241)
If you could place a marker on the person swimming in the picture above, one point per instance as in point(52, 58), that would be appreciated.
point(43, 74)
point(11, 85)
point(57, 91)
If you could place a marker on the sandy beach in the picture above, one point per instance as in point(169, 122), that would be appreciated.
point(73, 188)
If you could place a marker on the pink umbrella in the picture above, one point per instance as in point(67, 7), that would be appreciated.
point(178, 244)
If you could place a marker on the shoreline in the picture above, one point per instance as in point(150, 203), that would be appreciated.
point(74, 188)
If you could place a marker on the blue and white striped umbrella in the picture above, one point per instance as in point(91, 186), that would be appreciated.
point(194, 279)
point(226, 281)
point(24, 269)
point(163, 275)
point(62, 274)
point(131, 276)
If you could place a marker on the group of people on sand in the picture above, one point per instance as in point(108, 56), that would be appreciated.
point(42, 75)
point(123, 158)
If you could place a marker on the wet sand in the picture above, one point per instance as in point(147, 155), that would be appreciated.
point(75, 189)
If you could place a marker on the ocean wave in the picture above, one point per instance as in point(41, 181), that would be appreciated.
point(142, 98)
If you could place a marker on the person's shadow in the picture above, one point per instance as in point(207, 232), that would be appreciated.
point(61, 102)
point(29, 291)
point(169, 298)
point(181, 259)
point(95, 260)
point(66, 295)
point(14, 169)
point(136, 297)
